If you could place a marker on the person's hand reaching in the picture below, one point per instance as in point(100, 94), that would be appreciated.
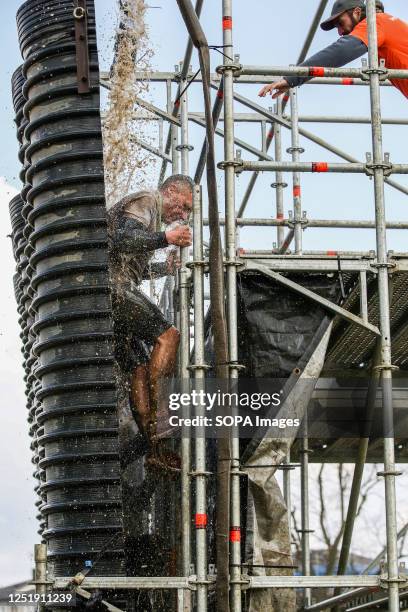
point(279, 87)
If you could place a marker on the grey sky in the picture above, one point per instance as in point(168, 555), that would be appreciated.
point(265, 32)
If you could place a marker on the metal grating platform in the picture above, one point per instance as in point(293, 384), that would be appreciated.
point(352, 346)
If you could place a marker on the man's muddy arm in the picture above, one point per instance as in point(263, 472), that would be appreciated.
point(130, 236)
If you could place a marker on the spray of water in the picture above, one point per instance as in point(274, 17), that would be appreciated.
point(126, 163)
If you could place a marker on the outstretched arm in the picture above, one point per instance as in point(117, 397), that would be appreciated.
point(130, 236)
point(344, 50)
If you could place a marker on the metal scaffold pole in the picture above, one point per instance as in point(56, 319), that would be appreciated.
point(304, 493)
point(173, 133)
point(385, 366)
point(231, 290)
point(279, 183)
point(296, 150)
point(287, 491)
point(40, 559)
point(184, 73)
point(184, 307)
point(200, 367)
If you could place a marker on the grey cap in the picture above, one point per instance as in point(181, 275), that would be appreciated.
point(340, 7)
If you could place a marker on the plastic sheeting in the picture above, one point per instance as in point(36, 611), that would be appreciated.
point(267, 531)
point(282, 335)
point(276, 325)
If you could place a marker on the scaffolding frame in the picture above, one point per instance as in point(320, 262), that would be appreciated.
point(175, 151)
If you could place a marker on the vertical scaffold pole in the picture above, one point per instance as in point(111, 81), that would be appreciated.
point(40, 560)
point(287, 492)
point(174, 170)
point(389, 472)
point(304, 507)
point(199, 377)
point(279, 184)
point(184, 145)
point(296, 150)
point(231, 289)
point(184, 351)
point(173, 132)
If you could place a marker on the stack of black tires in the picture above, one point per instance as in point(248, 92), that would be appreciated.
point(62, 288)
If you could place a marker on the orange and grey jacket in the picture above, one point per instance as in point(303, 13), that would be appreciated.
point(392, 39)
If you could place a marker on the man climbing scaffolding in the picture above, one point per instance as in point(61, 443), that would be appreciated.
point(349, 17)
point(146, 343)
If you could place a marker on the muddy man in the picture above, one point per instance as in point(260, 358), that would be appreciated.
point(146, 343)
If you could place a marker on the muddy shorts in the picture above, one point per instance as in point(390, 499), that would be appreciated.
point(138, 324)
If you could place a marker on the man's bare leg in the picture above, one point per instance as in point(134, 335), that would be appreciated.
point(162, 365)
point(140, 397)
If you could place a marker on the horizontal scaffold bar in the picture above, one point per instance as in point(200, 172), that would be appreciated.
point(294, 263)
point(342, 598)
point(327, 223)
point(252, 582)
point(162, 77)
point(262, 582)
point(315, 167)
point(257, 118)
point(122, 582)
point(320, 71)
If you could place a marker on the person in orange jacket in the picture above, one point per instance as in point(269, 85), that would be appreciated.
point(349, 17)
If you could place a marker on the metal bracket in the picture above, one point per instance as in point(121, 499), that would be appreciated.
point(385, 366)
point(245, 582)
point(196, 263)
point(184, 147)
point(276, 185)
point(78, 578)
point(234, 262)
point(199, 366)
point(382, 72)
point(366, 70)
point(292, 222)
point(390, 473)
point(384, 581)
point(286, 467)
point(80, 15)
point(387, 264)
point(236, 68)
point(386, 168)
point(385, 165)
point(238, 164)
point(234, 365)
point(196, 473)
point(295, 150)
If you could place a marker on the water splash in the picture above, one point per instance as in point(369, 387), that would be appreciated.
point(126, 163)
